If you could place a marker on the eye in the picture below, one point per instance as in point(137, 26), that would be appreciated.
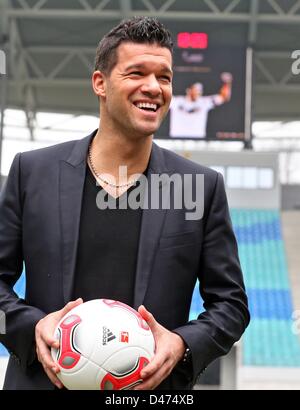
point(137, 73)
point(165, 78)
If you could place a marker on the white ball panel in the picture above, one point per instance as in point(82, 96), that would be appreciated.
point(125, 360)
point(87, 378)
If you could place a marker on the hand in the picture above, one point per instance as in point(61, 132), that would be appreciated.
point(44, 338)
point(226, 77)
point(169, 350)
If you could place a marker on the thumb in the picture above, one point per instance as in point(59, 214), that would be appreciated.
point(69, 306)
point(61, 313)
point(148, 317)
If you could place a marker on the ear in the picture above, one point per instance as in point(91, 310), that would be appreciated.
point(99, 84)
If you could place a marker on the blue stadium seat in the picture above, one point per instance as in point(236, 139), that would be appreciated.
point(269, 340)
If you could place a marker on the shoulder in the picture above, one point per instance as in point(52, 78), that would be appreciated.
point(45, 162)
point(207, 99)
point(54, 152)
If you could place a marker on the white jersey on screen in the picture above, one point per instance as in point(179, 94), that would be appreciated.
point(188, 118)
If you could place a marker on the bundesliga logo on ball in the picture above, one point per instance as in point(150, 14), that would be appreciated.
point(104, 345)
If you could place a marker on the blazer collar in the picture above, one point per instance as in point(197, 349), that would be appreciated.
point(79, 152)
point(157, 163)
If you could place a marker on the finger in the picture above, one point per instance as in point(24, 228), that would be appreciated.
point(45, 357)
point(69, 306)
point(39, 347)
point(50, 340)
point(55, 344)
point(152, 382)
point(156, 363)
point(46, 337)
point(54, 379)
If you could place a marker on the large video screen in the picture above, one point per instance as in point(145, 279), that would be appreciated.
point(208, 91)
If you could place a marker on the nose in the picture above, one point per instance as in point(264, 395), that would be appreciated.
point(151, 85)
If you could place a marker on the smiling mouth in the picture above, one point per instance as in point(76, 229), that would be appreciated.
point(147, 107)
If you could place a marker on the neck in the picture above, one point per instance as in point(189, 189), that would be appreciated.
point(112, 150)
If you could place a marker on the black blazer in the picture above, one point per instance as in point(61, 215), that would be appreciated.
point(40, 208)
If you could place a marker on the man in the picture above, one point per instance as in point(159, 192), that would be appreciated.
point(148, 258)
point(189, 113)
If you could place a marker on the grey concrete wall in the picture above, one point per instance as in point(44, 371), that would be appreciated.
point(291, 235)
point(244, 198)
point(290, 197)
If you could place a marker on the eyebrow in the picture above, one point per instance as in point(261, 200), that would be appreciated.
point(141, 66)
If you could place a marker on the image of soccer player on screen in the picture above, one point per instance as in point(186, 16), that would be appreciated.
point(189, 112)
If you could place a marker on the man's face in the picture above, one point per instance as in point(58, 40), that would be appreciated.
point(139, 89)
point(194, 92)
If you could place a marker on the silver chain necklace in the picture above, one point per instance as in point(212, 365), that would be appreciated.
point(104, 180)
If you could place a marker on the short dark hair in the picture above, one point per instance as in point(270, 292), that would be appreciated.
point(137, 30)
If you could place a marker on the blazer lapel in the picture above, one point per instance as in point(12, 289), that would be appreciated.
point(151, 227)
point(72, 177)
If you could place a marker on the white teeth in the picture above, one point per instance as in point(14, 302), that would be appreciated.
point(147, 105)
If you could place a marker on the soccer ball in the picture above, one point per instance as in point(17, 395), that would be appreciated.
point(104, 345)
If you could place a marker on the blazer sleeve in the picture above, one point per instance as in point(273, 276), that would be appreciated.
point(20, 318)
point(222, 289)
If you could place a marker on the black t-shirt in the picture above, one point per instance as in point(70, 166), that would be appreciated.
point(107, 248)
